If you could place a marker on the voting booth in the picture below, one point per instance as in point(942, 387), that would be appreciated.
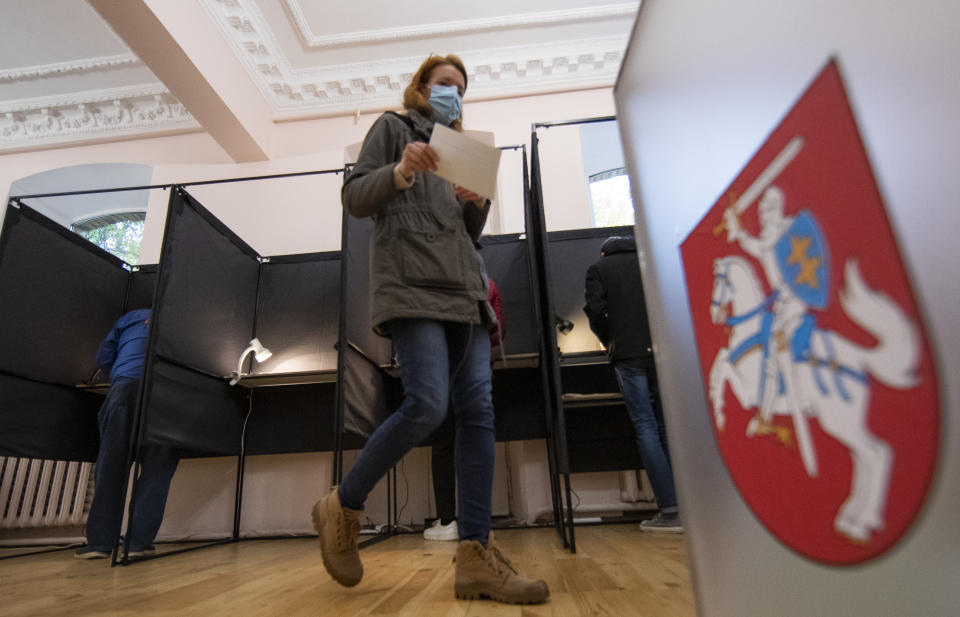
point(210, 295)
point(59, 296)
point(330, 380)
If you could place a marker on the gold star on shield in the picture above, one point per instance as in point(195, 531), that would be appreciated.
point(808, 265)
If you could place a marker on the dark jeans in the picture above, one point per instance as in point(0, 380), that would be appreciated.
point(651, 434)
point(440, 362)
point(110, 475)
point(443, 469)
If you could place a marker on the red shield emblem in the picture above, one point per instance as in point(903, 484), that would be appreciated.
point(820, 380)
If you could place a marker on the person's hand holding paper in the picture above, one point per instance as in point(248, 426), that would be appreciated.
point(467, 162)
point(467, 195)
point(417, 156)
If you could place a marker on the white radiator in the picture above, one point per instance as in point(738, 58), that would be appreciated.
point(40, 493)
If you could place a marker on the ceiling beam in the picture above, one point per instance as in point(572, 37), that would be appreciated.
point(179, 42)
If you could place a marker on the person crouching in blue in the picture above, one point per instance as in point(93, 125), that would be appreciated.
point(121, 355)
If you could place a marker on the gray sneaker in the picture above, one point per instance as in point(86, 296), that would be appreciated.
point(662, 523)
point(147, 551)
point(91, 552)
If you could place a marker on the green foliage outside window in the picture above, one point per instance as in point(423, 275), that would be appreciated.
point(119, 237)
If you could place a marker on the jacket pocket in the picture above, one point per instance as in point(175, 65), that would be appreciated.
point(431, 259)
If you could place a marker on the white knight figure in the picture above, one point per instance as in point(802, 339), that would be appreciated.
point(788, 313)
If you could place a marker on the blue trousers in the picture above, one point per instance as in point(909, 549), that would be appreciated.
point(440, 362)
point(110, 475)
point(651, 434)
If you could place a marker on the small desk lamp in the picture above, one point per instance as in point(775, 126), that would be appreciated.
point(260, 354)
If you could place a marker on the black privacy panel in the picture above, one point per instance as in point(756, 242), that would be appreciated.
point(292, 419)
point(59, 297)
point(508, 265)
point(141, 287)
point(299, 313)
point(600, 438)
point(356, 259)
point(518, 403)
point(207, 293)
point(194, 412)
point(598, 378)
point(369, 395)
point(571, 254)
point(47, 421)
point(366, 400)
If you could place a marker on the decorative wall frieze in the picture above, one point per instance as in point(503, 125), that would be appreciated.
point(346, 88)
point(462, 26)
point(68, 68)
point(104, 114)
point(79, 98)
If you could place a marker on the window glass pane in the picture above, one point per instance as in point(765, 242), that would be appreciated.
point(611, 203)
point(118, 234)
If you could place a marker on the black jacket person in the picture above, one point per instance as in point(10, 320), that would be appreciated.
point(615, 304)
point(618, 316)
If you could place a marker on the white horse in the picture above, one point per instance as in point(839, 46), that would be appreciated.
point(831, 377)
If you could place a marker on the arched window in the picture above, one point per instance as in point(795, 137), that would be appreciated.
point(119, 233)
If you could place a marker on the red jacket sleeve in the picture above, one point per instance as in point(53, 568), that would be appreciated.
point(494, 297)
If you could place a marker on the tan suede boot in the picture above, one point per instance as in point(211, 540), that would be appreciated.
point(487, 573)
point(339, 529)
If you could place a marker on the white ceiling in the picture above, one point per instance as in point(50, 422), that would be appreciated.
point(67, 77)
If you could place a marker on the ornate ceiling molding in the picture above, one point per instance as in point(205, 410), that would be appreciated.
point(463, 26)
point(348, 88)
point(66, 68)
point(86, 116)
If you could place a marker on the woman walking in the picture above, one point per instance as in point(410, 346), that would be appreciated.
point(429, 294)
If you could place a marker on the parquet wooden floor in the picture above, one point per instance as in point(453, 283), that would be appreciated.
point(618, 571)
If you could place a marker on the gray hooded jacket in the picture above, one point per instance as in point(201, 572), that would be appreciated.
point(424, 260)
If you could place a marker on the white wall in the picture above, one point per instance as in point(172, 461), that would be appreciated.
point(67, 210)
point(276, 217)
point(196, 148)
point(279, 491)
point(601, 147)
point(319, 144)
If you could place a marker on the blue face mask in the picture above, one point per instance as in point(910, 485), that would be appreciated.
point(445, 102)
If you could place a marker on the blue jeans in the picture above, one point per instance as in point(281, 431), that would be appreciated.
point(110, 475)
point(651, 434)
point(441, 362)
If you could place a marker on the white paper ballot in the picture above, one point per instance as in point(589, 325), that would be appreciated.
point(466, 161)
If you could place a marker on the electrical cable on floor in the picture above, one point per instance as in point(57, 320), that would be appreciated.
point(506, 462)
point(430, 488)
point(406, 495)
